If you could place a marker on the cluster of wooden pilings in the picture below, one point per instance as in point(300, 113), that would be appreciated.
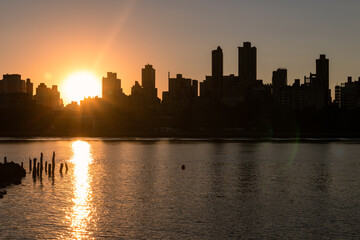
point(37, 168)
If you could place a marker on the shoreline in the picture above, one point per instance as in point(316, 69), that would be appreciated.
point(243, 136)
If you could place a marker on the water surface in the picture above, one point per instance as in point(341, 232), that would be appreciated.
point(229, 189)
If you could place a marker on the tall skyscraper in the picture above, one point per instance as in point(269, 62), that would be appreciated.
point(217, 63)
point(148, 77)
point(322, 71)
point(247, 62)
point(322, 77)
point(148, 83)
point(111, 87)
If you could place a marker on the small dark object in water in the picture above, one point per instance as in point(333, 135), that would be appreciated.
point(183, 167)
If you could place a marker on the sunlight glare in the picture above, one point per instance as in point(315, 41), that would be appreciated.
point(82, 210)
point(79, 85)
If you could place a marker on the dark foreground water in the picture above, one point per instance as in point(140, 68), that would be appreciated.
point(228, 190)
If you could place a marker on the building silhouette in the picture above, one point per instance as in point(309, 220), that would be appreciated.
point(314, 93)
point(279, 87)
point(48, 97)
point(182, 93)
point(148, 83)
point(15, 92)
point(217, 65)
point(247, 62)
point(12, 83)
point(145, 95)
point(111, 88)
point(347, 95)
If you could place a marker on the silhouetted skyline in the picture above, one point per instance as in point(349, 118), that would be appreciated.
point(48, 40)
point(230, 105)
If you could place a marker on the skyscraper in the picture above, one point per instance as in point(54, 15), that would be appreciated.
point(148, 77)
point(322, 71)
point(247, 62)
point(215, 85)
point(148, 83)
point(322, 77)
point(217, 63)
point(111, 87)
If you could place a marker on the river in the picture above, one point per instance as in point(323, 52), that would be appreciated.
point(229, 189)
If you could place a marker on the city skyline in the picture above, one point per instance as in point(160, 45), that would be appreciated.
point(247, 57)
point(122, 36)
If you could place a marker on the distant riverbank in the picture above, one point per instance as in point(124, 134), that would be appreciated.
point(228, 134)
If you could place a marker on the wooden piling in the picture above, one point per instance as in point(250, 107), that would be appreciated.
point(34, 166)
point(61, 168)
point(46, 166)
point(22, 164)
point(53, 163)
point(49, 169)
point(66, 168)
point(41, 163)
point(34, 172)
point(5, 160)
point(30, 165)
point(38, 169)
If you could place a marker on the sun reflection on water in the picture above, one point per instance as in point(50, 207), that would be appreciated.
point(82, 210)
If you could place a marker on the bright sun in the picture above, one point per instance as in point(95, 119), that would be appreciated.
point(79, 85)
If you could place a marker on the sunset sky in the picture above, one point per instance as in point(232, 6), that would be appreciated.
point(49, 40)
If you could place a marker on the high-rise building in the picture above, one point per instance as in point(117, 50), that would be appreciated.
point(111, 87)
point(15, 92)
point(279, 78)
point(214, 85)
point(29, 88)
point(48, 97)
point(247, 62)
point(12, 83)
point(148, 82)
point(322, 71)
point(148, 77)
point(182, 93)
point(217, 64)
point(322, 76)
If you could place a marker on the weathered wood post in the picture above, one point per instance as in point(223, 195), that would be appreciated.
point(34, 164)
point(53, 163)
point(22, 164)
point(49, 169)
point(61, 168)
point(46, 166)
point(34, 172)
point(30, 165)
point(5, 160)
point(41, 163)
point(66, 168)
point(38, 169)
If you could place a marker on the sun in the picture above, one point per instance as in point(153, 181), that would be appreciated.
point(79, 85)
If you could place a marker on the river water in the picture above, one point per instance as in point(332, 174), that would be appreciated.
point(136, 189)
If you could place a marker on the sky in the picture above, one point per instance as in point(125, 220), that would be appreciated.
point(48, 40)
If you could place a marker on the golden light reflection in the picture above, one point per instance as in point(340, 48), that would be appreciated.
point(82, 210)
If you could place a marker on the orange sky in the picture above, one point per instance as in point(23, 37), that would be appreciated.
point(48, 40)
